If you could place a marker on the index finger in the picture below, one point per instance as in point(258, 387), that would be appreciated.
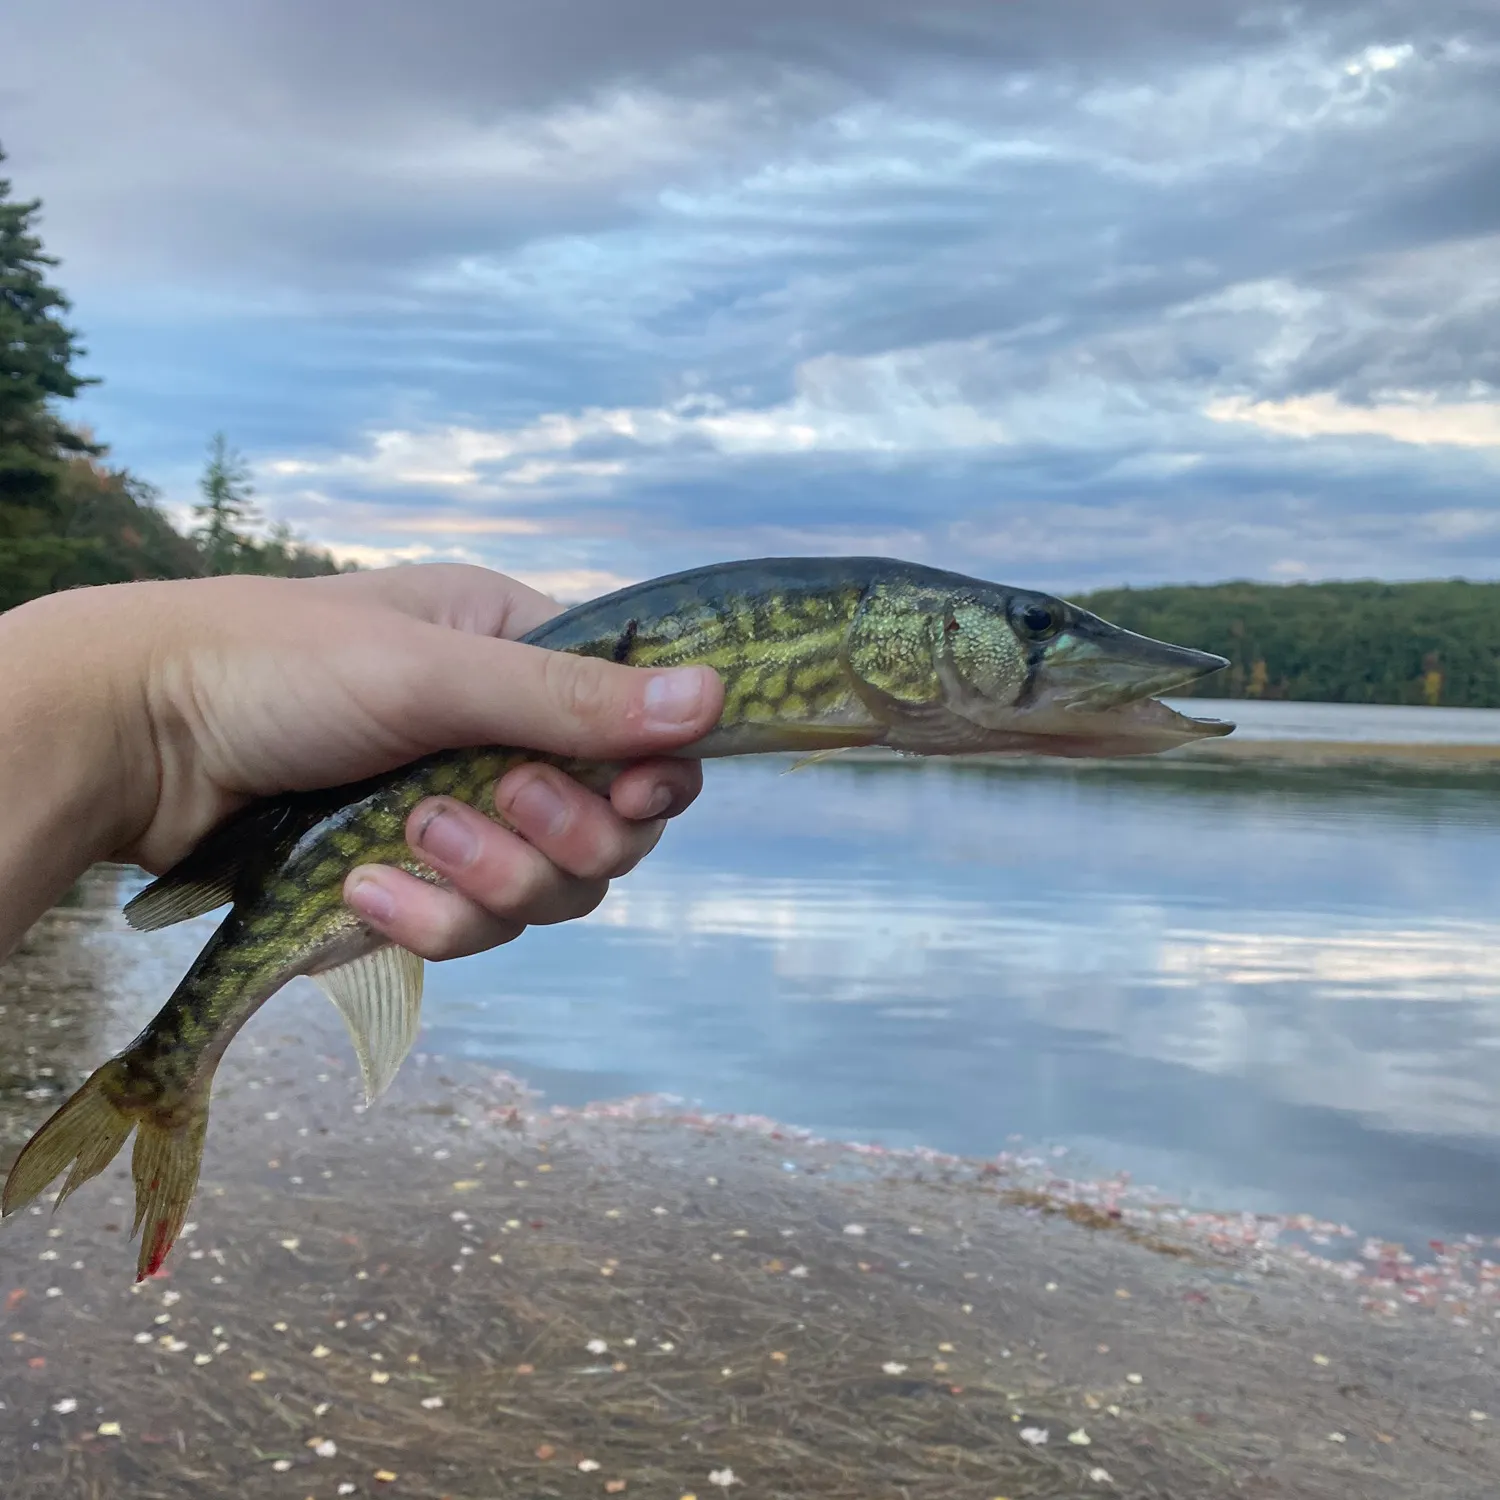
point(476, 600)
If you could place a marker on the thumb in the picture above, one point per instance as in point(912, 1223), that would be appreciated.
point(436, 689)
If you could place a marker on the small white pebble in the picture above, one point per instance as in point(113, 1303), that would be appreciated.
point(893, 1367)
point(67, 1404)
point(431, 1403)
point(587, 1466)
point(325, 1448)
point(854, 1230)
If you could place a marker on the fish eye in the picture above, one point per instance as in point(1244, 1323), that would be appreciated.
point(1037, 622)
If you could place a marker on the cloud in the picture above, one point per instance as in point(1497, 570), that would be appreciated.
point(1419, 419)
point(577, 291)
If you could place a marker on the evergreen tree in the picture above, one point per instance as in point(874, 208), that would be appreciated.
point(225, 510)
point(37, 350)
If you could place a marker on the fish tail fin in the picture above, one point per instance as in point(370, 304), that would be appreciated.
point(86, 1134)
point(165, 1165)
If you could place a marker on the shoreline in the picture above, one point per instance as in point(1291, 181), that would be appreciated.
point(464, 1293)
point(1280, 753)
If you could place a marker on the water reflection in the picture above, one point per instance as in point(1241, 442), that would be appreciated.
point(1261, 990)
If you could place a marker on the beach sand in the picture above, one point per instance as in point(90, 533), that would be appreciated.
point(462, 1293)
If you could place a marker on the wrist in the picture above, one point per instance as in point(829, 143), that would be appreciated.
point(75, 778)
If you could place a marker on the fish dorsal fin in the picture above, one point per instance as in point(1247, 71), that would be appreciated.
point(209, 874)
point(380, 999)
point(174, 897)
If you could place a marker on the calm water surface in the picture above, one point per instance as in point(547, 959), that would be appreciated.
point(1254, 989)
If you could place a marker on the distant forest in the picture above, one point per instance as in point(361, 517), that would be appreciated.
point(67, 516)
point(1434, 643)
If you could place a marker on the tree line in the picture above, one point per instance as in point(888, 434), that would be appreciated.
point(1362, 642)
point(67, 515)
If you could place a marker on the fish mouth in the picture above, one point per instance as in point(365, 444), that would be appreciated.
point(1095, 690)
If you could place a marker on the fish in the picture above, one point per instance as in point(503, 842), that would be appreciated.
point(816, 655)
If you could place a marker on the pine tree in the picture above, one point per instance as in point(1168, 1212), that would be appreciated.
point(226, 509)
point(37, 350)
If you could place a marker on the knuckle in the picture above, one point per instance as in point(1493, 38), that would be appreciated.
point(581, 687)
point(516, 882)
point(611, 854)
point(583, 897)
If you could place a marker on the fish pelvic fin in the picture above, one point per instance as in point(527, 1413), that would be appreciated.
point(379, 996)
point(86, 1134)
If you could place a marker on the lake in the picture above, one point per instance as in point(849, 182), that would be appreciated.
point(1260, 989)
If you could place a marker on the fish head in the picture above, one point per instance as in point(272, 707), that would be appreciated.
point(982, 667)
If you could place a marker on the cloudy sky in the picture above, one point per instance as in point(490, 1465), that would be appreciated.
point(1065, 294)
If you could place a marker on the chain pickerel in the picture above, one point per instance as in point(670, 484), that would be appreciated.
point(816, 654)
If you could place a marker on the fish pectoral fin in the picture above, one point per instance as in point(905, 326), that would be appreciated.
point(380, 998)
point(803, 761)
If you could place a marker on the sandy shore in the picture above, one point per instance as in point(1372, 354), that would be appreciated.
point(461, 1293)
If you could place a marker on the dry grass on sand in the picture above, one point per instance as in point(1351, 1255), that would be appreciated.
point(458, 1294)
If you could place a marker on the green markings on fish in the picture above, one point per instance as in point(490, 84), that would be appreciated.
point(816, 655)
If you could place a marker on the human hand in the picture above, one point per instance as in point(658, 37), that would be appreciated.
point(208, 693)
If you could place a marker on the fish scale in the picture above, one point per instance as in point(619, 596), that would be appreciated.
point(815, 654)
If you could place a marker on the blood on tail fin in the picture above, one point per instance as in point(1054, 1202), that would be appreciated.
point(86, 1134)
point(165, 1166)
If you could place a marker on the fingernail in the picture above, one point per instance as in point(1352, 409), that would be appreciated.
point(448, 839)
point(370, 899)
point(674, 698)
point(658, 802)
point(538, 809)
